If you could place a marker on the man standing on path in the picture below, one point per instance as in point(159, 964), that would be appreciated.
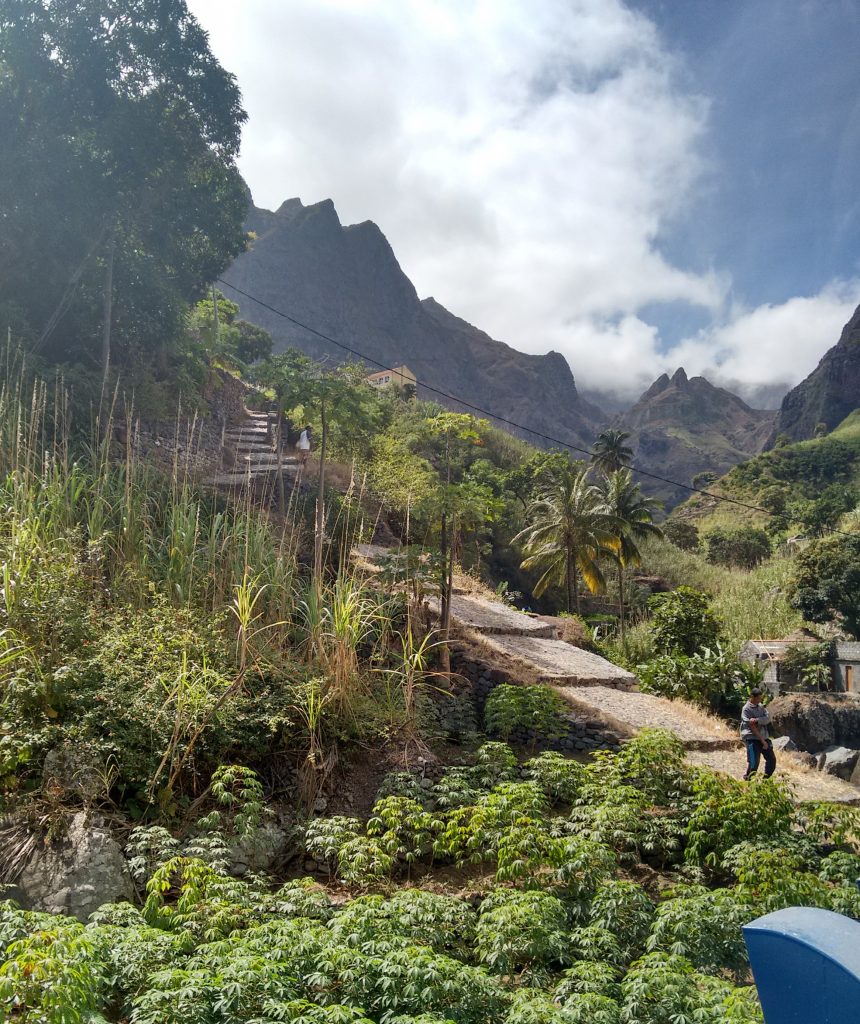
point(754, 723)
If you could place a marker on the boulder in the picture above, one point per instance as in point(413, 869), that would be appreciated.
point(263, 851)
point(75, 874)
point(840, 761)
point(70, 770)
point(784, 743)
point(816, 721)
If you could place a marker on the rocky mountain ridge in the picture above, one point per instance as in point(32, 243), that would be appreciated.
point(682, 426)
point(346, 283)
point(829, 394)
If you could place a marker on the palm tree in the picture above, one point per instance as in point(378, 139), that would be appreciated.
point(569, 528)
point(633, 515)
point(609, 453)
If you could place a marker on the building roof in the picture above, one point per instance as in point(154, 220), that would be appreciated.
point(771, 648)
point(847, 650)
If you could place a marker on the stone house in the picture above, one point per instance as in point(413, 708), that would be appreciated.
point(770, 656)
point(846, 665)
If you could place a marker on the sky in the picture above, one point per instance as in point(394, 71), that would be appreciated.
point(639, 185)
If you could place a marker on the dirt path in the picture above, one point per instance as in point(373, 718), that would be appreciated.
point(628, 712)
point(807, 783)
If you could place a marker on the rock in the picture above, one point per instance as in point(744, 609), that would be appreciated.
point(816, 721)
point(829, 393)
point(261, 852)
point(320, 804)
point(303, 252)
point(809, 760)
point(820, 761)
point(76, 874)
point(840, 761)
point(784, 743)
point(69, 770)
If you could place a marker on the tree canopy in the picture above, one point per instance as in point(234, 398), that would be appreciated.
point(119, 194)
point(826, 584)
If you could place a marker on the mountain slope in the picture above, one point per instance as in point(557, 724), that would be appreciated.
point(347, 283)
point(683, 426)
point(785, 480)
point(828, 394)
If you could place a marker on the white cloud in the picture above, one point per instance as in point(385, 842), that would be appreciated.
point(522, 158)
point(773, 342)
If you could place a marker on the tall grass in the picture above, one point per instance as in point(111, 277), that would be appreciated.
point(85, 497)
point(752, 605)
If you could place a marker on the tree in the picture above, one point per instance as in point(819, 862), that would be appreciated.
point(744, 547)
point(455, 504)
point(213, 324)
point(570, 527)
point(826, 583)
point(633, 514)
point(339, 395)
point(535, 473)
point(116, 113)
point(683, 622)
point(609, 453)
point(682, 534)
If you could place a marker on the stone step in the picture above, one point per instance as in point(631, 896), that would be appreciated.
point(491, 617)
point(628, 712)
point(260, 448)
point(255, 476)
point(246, 436)
point(267, 459)
point(561, 664)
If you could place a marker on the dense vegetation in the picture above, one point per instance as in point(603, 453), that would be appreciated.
point(183, 663)
point(562, 921)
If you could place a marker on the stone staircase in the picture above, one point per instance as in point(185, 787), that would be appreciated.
point(606, 693)
point(250, 458)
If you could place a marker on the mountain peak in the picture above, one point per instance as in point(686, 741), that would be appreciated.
point(346, 281)
point(682, 426)
point(829, 394)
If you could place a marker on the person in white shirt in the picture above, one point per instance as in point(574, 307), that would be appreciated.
point(754, 722)
point(303, 445)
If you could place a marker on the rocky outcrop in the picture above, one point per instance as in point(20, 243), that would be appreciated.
point(346, 283)
point(683, 426)
point(75, 874)
point(818, 721)
point(840, 761)
point(829, 394)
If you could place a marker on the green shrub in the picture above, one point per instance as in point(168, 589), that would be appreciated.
point(521, 929)
point(533, 709)
point(624, 910)
point(727, 811)
point(558, 776)
point(704, 926)
point(712, 678)
point(52, 975)
point(742, 547)
point(683, 622)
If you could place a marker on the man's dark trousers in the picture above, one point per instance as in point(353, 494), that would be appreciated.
point(755, 750)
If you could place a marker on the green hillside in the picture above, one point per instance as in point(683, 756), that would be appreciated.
point(802, 488)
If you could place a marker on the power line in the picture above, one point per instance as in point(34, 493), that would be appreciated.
point(500, 419)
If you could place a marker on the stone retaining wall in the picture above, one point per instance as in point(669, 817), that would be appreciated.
point(580, 733)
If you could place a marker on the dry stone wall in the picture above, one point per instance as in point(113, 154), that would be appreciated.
point(577, 733)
